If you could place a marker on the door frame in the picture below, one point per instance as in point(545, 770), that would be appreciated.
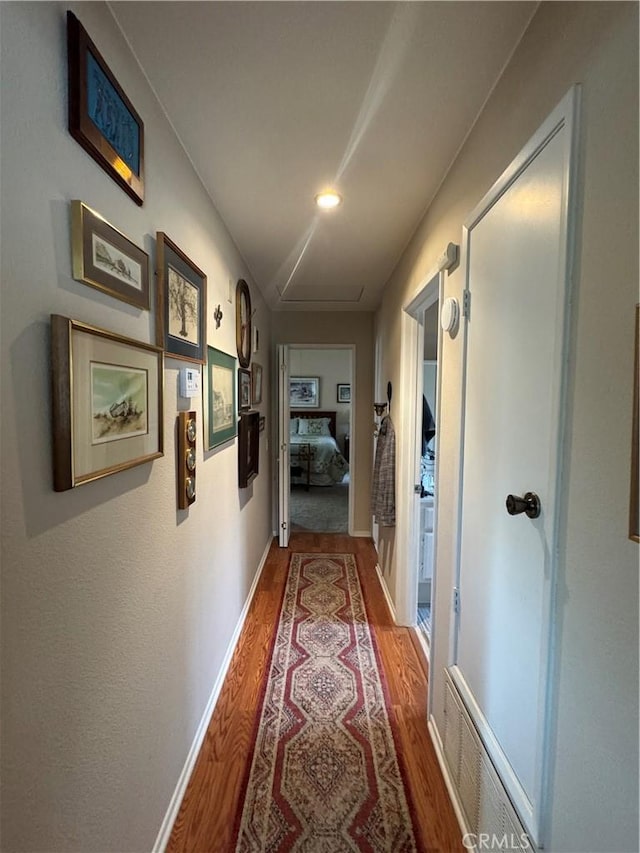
point(534, 815)
point(283, 435)
point(430, 290)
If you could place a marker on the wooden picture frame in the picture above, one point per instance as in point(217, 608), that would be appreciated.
point(634, 500)
point(220, 413)
point(106, 259)
point(107, 402)
point(244, 389)
point(101, 117)
point(304, 392)
point(256, 384)
point(243, 323)
point(343, 392)
point(248, 448)
point(181, 323)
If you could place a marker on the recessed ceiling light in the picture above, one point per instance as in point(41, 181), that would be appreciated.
point(328, 200)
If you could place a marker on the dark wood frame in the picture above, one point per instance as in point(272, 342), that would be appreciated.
point(63, 376)
point(634, 500)
point(168, 254)
point(338, 387)
point(315, 413)
point(244, 379)
point(248, 448)
point(81, 126)
point(216, 357)
point(244, 338)
point(86, 222)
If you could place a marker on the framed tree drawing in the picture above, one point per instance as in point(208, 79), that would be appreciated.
point(107, 402)
point(101, 117)
point(181, 328)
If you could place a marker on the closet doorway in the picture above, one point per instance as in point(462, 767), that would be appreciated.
point(427, 409)
point(320, 438)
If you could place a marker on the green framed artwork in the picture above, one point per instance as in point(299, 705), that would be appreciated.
point(220, 421)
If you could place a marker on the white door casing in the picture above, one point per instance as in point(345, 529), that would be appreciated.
point(517, 251)
point(284, 521)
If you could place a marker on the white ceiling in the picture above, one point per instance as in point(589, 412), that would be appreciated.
point(274, 101)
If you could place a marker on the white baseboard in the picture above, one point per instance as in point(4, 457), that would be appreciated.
point(453, 794)
point(363, 534)
point(176, 800)
point(385, 590)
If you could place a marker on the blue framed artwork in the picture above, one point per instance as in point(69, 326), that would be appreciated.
point(101, 117)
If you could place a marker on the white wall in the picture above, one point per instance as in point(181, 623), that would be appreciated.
point(594, 785)
point(331, 366)
point(117, 608)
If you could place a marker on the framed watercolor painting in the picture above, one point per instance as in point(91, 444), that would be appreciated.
point(181, 328)
point(101, 117)
point(220, 421)
point(304, 392)
point(104, 258)
point(107, 402)
point(343, 392)
point(256, 384)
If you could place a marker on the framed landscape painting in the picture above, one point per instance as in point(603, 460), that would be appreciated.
point(104, 258)
point(304, 392)
point(107, 402)
point(220, 398)
point(101, 117)
point(181, 328)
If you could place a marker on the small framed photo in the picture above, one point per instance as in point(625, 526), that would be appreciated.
point(220, 424)
point(107, 402)
point(256, 339)
point(261, 423)
point(248, 448)
point(256, 384)
point(104, 258)
point(181, 326)
point(344, 392)
point(304, 392)
point(244, 389)
point(101, 117)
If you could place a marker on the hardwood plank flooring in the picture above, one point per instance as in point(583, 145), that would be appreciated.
point(205, 822)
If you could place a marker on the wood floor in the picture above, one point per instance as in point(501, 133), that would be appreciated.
point(205, 823)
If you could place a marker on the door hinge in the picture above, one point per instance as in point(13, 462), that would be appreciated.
point(466, 303)
point(456, 600)
point(284, 525)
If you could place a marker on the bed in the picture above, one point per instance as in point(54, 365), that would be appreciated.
point(314, 456)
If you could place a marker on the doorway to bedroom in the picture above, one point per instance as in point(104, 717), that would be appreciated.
point(320, 419)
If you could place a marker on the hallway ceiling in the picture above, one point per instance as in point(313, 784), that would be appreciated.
point(274, 101)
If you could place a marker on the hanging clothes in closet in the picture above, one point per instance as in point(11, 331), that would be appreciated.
point(383, 491)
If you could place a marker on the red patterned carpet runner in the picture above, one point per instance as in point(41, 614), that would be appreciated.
point(325, 776)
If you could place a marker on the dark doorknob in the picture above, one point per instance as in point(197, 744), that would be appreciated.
point(529, 504)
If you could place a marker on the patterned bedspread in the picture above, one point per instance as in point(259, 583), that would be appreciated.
point(327, 465)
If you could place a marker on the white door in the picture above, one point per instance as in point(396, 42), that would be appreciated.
point(283, 446)
point(516, 257)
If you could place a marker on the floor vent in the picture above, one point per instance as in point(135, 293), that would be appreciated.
point(490, 817)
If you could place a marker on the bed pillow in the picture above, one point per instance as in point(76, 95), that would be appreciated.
point(293, 426)
point(314, 426)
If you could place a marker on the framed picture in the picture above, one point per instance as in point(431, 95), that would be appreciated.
point(344, 392)
point(220, 423)
point(256, 339)
point(243, 323)
point(101, 117)
point(244, 388)
point(634, 503)
point(304, 392)
point(181, 328)
point(248, 448)
point(107, 402)
point(256, 384)
point(104, 258)
point(261, 423)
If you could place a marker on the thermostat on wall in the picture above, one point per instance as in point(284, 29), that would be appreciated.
point(189, 382)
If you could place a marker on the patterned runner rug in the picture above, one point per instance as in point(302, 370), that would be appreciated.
point(325, 776)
